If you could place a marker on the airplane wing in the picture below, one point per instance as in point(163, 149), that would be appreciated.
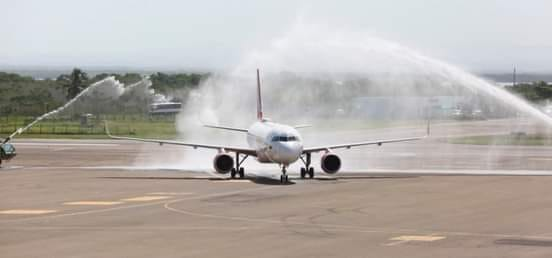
point(247, 151)
point(356, 144)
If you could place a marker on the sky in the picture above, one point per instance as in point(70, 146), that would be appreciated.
point(483, 36)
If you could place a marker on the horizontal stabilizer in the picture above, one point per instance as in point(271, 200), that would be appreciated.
point(301, 126)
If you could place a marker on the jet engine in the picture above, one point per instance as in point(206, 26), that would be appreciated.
point(331, 163)
point(223, 163)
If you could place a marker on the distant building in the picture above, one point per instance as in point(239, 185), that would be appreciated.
point(165, 108)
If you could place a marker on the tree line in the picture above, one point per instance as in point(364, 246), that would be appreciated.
point(535, 92)
point(24, 95)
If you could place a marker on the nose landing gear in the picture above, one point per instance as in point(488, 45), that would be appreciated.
point(284, 177)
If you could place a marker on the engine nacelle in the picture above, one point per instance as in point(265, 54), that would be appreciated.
point(331, 163)
point(223, 163)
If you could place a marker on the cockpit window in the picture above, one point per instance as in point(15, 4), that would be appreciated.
point(283, 138)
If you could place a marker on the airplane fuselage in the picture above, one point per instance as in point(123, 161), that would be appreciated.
point(275, 143)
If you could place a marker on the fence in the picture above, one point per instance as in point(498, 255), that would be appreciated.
point(66, 128)
point(119, 124)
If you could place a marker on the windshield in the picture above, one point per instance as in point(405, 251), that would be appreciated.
point(284, 138)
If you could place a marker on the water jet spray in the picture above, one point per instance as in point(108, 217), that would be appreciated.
point(109, 86)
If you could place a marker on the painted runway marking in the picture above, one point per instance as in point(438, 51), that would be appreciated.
point(93, 203)
point(146, 198)
point(11, 167)
point(413, 238)
point(133, 206)
point(395, 243)
point(26, 212)
point(431, 236)
point(436, 172)
point(170, 193)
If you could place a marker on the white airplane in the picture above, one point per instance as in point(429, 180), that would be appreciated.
point(271, 142)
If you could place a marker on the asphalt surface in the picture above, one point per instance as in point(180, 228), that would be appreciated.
point(69, 198)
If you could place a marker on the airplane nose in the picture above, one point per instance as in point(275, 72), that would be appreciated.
point(286, 152)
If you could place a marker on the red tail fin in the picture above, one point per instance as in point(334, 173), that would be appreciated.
point(259, 100)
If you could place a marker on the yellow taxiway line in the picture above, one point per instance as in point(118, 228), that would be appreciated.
point(92, 203)
point(170, 193)
point(146, 198)
point(413, 238)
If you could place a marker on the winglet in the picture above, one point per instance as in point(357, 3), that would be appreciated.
point(259, 100)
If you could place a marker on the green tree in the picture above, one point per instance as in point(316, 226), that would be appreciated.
point(167, 83)
point(73, 83)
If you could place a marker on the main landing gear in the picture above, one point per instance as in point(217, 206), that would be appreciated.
point(307, 170)
point(238, 170)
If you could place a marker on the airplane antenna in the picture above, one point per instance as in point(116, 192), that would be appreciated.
point(259, 100)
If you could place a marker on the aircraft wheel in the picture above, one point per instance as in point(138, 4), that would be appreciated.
point(233, 173)
point(283, 179)
point(242, 173)
point(303, 172)
point(311, 172)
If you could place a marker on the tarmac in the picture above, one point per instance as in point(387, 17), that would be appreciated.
point(79, 198)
